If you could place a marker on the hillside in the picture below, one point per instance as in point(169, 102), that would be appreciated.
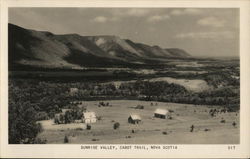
point(47, 50)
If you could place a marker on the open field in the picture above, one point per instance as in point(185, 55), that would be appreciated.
point(192, 85)
point(195, 85)
point(150, 130)
point(50, 125)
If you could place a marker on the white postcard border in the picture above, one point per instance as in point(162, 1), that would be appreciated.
point(187, 151)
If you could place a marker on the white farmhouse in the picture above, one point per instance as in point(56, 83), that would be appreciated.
point(161, 113)
point(89, 117)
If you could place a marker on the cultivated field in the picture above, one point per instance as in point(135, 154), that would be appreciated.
point(151, 130)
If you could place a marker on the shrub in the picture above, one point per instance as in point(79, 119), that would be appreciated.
point(234, 124)
point(99, 118)
point(88, 127)
point(66, 140)
point(116, 125)
point(164, 133)
point(192, 128)
point(170, 111)
point(223, 121)
point(206, 129)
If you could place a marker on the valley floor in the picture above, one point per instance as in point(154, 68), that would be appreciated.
point(151, 130)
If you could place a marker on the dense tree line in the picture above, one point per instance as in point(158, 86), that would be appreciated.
point(22, 118)
point(29, 101)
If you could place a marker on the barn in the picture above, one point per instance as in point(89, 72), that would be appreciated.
point(134, 119)
point(89, 117)
point(161, 113)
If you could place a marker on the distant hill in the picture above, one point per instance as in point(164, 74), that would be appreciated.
point(47, 50)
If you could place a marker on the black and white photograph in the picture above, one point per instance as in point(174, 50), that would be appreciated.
point(123, 75)
point(124, 79)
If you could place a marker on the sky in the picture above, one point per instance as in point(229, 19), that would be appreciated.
point(199, 31)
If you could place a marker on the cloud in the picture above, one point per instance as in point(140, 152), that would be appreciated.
point(187, 11)
point(137, 12)
point(100, 19)
point(134, 12)
point(206, 35)
point(157, 18)
point(211, 21)
point(118, 14)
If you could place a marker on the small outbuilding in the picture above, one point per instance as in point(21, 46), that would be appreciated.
point(134, 119)
point(89, 117)
point(161, 113)
point(73, 91)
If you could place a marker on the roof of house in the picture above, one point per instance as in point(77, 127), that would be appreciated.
point(135, 117)
point(89, 115)
point(64, 110)
point(161, 111)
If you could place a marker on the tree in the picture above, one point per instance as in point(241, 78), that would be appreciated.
point(88, 127)
point(68, 117)
point(66, 139)
point(22, 122)
point(116, 125)
point(192, 128)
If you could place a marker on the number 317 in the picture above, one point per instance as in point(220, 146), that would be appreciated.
point(231, 147)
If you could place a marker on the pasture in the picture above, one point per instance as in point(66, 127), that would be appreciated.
point(207, 129)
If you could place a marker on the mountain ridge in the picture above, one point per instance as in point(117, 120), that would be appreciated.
point(48, 50)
